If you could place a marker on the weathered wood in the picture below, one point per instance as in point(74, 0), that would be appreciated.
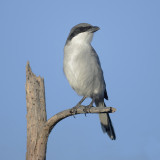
point(36, 113)
point(38, 128)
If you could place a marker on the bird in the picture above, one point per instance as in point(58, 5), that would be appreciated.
point(82, 68)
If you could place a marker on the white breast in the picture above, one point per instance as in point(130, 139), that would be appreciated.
point(82, 69)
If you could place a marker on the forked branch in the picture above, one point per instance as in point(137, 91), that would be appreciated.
point(38, 127)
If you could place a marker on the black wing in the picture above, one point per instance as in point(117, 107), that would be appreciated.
point(105, 94)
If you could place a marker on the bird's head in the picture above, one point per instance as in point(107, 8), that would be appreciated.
point(82, 32)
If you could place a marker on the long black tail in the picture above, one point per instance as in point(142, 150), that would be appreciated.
point(106, 122)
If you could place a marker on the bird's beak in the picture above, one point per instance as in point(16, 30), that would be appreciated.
point(95, 28)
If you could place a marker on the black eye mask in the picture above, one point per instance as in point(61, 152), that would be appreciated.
point(78, 30)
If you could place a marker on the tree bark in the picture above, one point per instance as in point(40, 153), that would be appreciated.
point(38, 128)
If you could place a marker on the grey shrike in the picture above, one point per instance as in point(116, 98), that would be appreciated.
point(83, 70)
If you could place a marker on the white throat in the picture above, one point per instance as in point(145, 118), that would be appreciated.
point(85, 37)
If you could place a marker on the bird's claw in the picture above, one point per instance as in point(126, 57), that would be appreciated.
point(87, 109)
point(74, 110)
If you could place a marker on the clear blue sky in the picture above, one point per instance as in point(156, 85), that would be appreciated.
point(128, 45)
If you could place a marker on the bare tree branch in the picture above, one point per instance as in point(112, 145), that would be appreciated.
point(81, 110)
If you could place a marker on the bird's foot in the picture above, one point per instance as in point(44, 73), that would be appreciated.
point(74, 109)
point(87, 109)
